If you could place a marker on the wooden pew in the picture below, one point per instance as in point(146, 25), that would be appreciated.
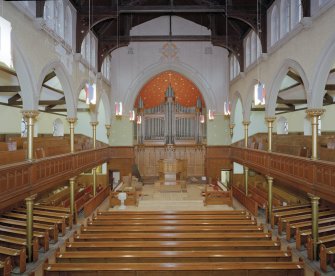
point(306, 225)
point(177, 269)
point(18, 256)
point(59, 222)
point(174, 217)
point(327, 241)
point(326, 253)
point(43, 237)
point(172, 222)
point(149, 213)
point(57, 209)
point(173, 245)
point(5, 266)
point(246, 201)
point(278, 210)
point(301, 237)
point(172, 236)
point(17, 243)
point(94, 202)
point(285, 222)
point(52, 229)
point(67, 217)
point(173, 256)
point(218, 197)
point(171, 229)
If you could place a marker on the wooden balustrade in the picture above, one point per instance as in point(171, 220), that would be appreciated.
point(19, 180)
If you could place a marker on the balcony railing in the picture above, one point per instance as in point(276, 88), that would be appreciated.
point(19, 180)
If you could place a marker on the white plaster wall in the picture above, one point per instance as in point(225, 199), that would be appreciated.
point(306, 49)
point(218, 132)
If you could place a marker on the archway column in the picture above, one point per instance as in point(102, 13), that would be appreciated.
point(30, 116)
point(270, 121)
point(94, 133)
point(30, 225)
point(72, 122)
point(314, 114)
point(72, 182)
point(246, 128)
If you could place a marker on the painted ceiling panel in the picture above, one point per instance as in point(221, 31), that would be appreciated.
point(153, 93)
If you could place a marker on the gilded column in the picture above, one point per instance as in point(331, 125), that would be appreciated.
point(30, 225)
point(94, 129)
point(108, 130)
point(246, 175)
point(315, 223)
point(72, 122)
point(94, 173)
point(231, 127)
point(72, 182)
point(270, 121)
point(270, 182)
point(315, 113)
point(246, 126)
point(30, 116)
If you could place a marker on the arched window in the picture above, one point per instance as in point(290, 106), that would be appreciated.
point(274, 25)
point(296, 12)
point(59, 18)
point(68, 26)
point(236, 66)
point(231, 67)
point(93, 51)
point(106, 68)
point(282, 125)
point(285, 15)
point(48, 13)
point(89, 48)
point(247, 52)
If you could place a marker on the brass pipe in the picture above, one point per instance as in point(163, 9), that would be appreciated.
point(72, 122)
point(30, 115)
point(246, 126)
point(94, 173)
point(29, 227)
point(72, 209)
point(270, 121)
point(270, 195)
point(315, 113)
point(315, 224)
point(246, 175)
point(94, 130)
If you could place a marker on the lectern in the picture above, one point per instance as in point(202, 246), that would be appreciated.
point(171, 170)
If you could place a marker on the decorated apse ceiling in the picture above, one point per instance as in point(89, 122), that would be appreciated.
point(185, 91)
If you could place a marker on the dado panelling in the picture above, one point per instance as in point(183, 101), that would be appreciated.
point(121, 159)
point(147, 158)
point(217, 159)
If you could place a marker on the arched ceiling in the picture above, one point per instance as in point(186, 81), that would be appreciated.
point(153, 92)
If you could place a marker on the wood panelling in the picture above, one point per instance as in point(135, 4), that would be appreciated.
point(147, 158)
point(217, 159)
point(121, 159)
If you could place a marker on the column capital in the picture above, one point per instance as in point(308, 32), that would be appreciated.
point(270, 119)
point(71, 120)
point(30, 113)
point(31, 197)
point(246, 123)
point(73, 178)
point(270, 178)
point(315, 112)
point(313, 197)
point(94, 124)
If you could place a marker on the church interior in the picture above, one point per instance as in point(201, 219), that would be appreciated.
point(167, 137)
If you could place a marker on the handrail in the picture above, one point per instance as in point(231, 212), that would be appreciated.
point(19, 180)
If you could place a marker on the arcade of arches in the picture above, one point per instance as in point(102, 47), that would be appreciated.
point(179, 103)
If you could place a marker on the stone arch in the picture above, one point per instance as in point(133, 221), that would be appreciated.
point(60, 71)
point(248, 102)
point(236, 96)
point(26, 80)
point(320, 75)
point(157, 68)
point(103, 98)
point(271, 97)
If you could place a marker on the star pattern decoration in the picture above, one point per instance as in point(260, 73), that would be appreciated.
point(153, 92)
